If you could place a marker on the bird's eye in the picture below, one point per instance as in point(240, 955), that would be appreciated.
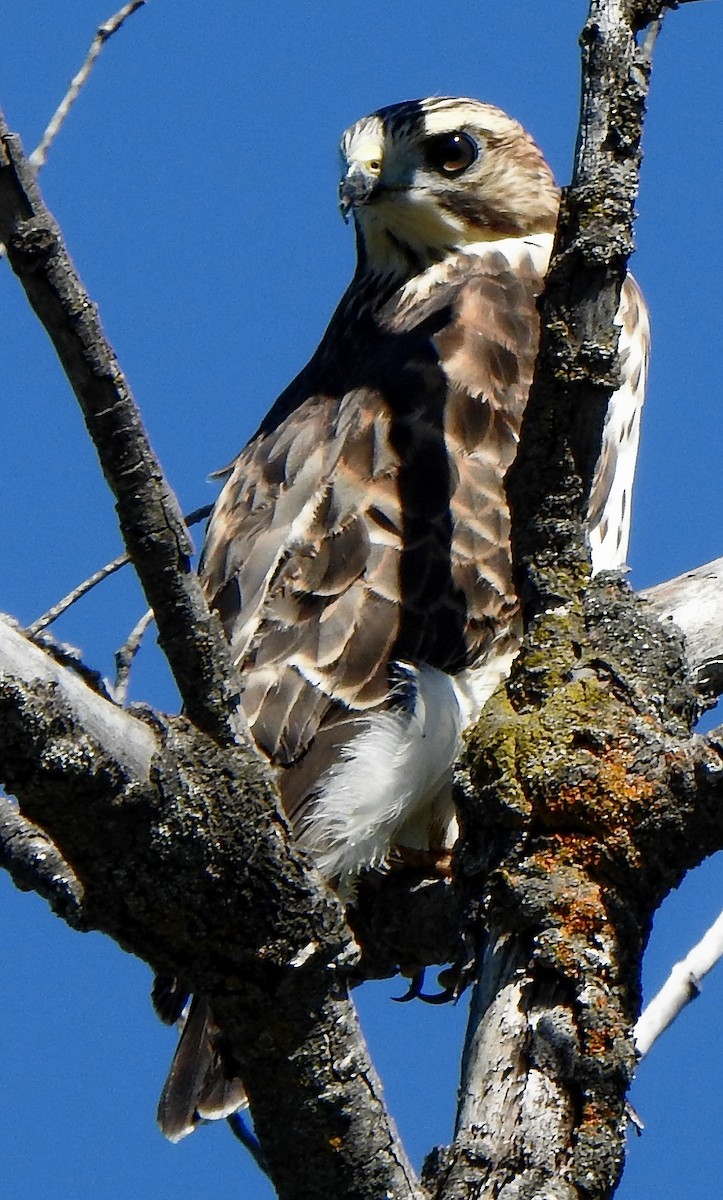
point(451, 153)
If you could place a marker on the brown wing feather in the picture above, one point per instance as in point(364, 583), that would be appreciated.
point(489, 355)
point(370, 523)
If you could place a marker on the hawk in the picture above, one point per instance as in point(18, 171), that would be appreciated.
point(359, 553)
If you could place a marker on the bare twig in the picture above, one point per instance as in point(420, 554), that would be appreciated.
point(76, 594)
point(648, 43)
point(97, 577)
point(681, 986)
point(124, 657)
point(106, 30)
point(103, 33)
point(198, 514)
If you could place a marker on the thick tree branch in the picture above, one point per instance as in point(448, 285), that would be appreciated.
point(577, 371)
point(128, 742)
point(180, 855)
point(403, 921)
point(584, 803)
point(150, 517)
point(694, 601)
point(584, 808)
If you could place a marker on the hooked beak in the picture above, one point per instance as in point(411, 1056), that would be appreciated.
point(358, 186)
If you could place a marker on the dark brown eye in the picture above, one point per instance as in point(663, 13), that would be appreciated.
point(451, 153)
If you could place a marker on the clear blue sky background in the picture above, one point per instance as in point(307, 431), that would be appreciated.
point(196, 185)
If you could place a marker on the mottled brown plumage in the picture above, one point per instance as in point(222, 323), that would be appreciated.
point(370, 524)
point(359, 553)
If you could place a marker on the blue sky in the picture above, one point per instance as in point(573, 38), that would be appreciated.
point(196, 185)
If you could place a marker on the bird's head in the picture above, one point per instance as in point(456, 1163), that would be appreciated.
point(427, 177)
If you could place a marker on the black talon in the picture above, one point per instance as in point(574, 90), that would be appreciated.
point(414, 992)
point(414, 989)
point(442, 997)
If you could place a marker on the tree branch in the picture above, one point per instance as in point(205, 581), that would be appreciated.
point(694, 601)
point(150, 517)
point(35, 864)
point(577, 369)
point(125, 655)
point(585, 801)
point(682, 985)
point(128, 742)
point(103, 33)
point(99, 576)
point(402, 921)
point(181, 856)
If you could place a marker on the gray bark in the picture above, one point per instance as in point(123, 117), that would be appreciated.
point(141, 827)
point(694, 602)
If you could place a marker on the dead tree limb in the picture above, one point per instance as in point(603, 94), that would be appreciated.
point(682, 985)
point(694, 602)
point(173, 847)
point(56, 122)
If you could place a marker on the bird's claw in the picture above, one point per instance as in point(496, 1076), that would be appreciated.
point(414, 992)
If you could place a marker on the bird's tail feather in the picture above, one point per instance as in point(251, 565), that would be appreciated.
point(198, 1086)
